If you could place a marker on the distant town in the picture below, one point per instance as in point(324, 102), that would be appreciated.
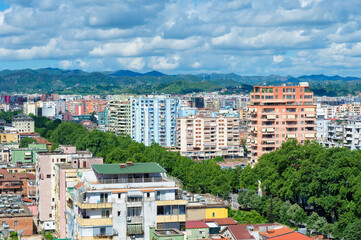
point(136, 166)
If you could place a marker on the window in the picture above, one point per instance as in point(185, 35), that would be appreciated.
point(119, 213)
point(48, 176)
point(148, 194)
point(15, 223)
point(119, 195)
point(134, 211)
point(213, 214)
point(50, 215)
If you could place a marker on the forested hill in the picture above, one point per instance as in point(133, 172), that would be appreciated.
point(124, 81)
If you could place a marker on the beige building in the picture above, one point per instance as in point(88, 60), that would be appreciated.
point(277, 114)
point(23, 123)
point(209, 137)
point(119, 117)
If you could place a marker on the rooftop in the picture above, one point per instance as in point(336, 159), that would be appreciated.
point(276, 232)
point(134, 168)
point(196, 224)
point(222, 221)
point(168, 232)
point(240, 232)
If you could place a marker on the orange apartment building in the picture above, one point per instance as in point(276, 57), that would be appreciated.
point(278, 113)
point(81, 107)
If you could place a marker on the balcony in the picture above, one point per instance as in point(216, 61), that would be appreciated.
point(131, 180)
point(85, 205)
point(134, 219)
point(94, 221)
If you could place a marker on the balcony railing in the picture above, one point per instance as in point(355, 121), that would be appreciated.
point(132, 180)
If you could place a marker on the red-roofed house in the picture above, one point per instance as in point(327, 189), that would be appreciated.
point(284, 233)
point(197, 230)
point(237, 232)
point(292, 236)
point(222, 221)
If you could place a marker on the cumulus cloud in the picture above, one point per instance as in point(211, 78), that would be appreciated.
point(177, 36)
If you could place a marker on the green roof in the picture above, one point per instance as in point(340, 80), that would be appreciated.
point(132, 169)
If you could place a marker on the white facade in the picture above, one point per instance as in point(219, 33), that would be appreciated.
point(153, 118)
point(209, 137)
point(340, 133)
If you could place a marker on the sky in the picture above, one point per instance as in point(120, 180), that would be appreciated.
point(259, 37)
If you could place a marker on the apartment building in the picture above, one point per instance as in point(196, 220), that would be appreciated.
point(46, 181)
point(119, 113)
point(340, 133)
point(278, 113)
point(15, 216)
point(17, 183)
point(123, 201)
point(23, 123)
point(154, 118)
point(208, 137)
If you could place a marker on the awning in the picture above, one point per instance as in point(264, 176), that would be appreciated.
point(270, 129)
point(309, 109)
point(309, 135)
point(310, 115)
point(263, 129)
point(271, 116)
point(291, 135)
point(291, 116)
point(135, 229)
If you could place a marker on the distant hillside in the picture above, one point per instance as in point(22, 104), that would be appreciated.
point(126, 81)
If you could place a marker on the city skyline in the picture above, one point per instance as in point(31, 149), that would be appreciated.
point(245, 37)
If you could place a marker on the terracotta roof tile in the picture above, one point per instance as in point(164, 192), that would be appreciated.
point(276, 232)
point(196, 224)
point(222, 221)
point(240, 232)
point(79, 185)
point(292, 236)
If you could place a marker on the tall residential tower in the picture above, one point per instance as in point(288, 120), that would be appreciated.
point(278, 113)
point(153, 118)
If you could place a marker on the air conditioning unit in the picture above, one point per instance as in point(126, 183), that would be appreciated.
point(128, 219)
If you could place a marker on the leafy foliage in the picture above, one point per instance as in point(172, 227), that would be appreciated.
point(203, 177)
point(26, 141)
point(313, 178)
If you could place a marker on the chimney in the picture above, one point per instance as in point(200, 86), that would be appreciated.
point(122, 165)
point(130, 163)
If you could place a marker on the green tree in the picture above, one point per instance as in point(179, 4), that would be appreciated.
point(353, 231)
point(24, 143)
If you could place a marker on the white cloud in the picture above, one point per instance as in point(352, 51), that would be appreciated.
point(131, 63)
point(278, 58)
point(247, 37)
point(164, 63)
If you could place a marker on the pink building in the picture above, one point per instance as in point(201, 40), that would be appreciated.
point(52, 185)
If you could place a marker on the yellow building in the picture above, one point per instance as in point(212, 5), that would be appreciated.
point(206, 208)
point(9, 138)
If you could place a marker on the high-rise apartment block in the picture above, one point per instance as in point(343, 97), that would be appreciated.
point(154, 118)
point(208, 137)
point(278, 113)
point(123, 201)
point(119, 113)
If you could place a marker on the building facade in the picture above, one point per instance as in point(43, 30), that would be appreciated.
point(119, 113)
point(154, 118)
point(208, 137)
point(46, 181)
point(278, 113)
point(340, 133)
point(23, 123)
point(124, 201)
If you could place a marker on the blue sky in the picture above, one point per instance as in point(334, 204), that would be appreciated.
point(259, 37)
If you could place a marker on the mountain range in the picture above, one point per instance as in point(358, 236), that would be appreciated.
point(126, 81)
